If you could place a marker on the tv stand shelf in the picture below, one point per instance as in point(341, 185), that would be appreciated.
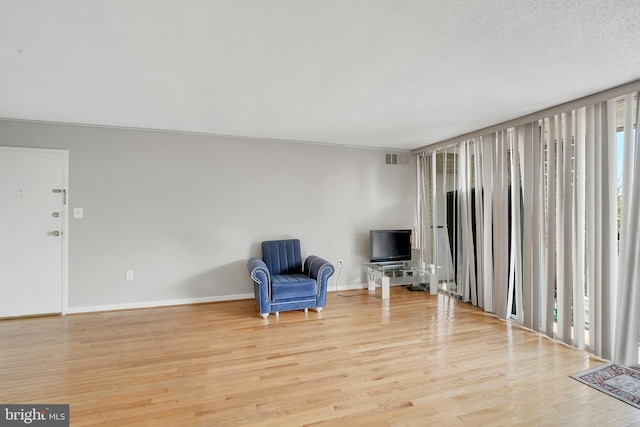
point(412, 269)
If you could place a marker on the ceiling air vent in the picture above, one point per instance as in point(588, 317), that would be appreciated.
point(397, 159)
point(392, 159)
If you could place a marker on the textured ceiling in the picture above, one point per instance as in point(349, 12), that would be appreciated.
point(393, 74)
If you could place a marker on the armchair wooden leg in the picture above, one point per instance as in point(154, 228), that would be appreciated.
point(264, 315)
point(306, 310)
point(318, 309)
point(277, 313)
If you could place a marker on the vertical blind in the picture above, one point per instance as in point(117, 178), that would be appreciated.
point(544, 224)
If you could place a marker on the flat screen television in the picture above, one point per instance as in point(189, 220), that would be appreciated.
point(389, 245)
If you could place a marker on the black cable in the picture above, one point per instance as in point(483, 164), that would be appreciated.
point(344, 295)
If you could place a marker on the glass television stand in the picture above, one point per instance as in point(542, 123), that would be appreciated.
point(407, 270)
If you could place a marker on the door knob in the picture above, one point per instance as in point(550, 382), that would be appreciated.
point(56, 233)
point(55, 214)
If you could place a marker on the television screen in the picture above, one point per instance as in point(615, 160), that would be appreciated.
point(389, 245)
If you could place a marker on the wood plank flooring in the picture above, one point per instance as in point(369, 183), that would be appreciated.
point(413, 360)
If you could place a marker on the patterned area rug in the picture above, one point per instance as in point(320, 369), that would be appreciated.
point(617, 381)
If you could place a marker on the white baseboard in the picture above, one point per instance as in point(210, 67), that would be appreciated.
point(348, 287)
point(185, 301)
point(151, 304)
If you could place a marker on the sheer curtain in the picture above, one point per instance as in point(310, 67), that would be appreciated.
point(628, 320)
point(536, 214)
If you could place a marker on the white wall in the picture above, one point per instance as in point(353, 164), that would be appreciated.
point(185, 211)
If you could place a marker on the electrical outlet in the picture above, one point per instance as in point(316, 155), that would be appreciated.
point(340, 263)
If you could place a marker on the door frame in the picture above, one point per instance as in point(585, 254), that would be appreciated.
point(65, 216)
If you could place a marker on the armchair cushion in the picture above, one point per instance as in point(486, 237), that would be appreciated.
point(287, 286)
point(282, 256)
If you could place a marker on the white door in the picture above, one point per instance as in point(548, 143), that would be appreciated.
point(32, 240)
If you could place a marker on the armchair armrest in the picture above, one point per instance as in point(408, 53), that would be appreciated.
point(258, 271)
point(318, 268)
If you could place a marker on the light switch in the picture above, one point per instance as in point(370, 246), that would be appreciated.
point(128, 275)
point(78, 213)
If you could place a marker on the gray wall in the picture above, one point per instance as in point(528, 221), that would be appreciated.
point(185, 211)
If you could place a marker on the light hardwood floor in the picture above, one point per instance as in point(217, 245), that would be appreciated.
point(415, 359)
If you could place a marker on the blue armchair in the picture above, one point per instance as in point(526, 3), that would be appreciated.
point(282, 284)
